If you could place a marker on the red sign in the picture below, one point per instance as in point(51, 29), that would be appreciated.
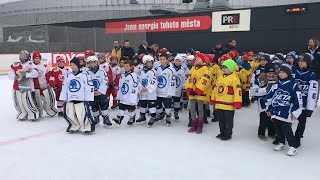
point(191, 23)
point(67, 56)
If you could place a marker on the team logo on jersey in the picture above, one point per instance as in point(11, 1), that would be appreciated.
point(124, 88)
point(178, 82)
point(61, 77)
point(281, 98)
point(74, 85)
point(96, 83)
point(303, 86)
point(222, 89)
point(144, 82)
point(162, 82)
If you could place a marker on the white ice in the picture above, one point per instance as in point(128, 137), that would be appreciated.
point(44, 151)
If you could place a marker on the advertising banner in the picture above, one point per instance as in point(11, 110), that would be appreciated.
point(225, 21)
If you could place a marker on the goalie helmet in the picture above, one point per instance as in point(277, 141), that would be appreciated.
point(147, 58)
point(92, 59)
point(24, 56)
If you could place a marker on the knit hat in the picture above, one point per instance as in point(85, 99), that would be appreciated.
point(59, 59)
point(190, 50)
point(265, 57)
point(280, 56)
point(224, 58)
point(307, 57)
point(239, 62)
point(292, 54)
point(36, 54)
point(230, 64)
point(232, 55)
point(76, 61)
point(287, 68)
point(269, 68)
point(209, 58)
point(202, 57)
point(102, 55)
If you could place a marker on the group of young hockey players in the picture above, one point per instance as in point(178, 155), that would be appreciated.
point(284, 86)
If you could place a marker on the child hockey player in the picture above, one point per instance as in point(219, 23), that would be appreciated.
point(196, 87)
point(22, 73)
point(308, 85)
point(44, 95)
point(104, 65)
point(291, 58)
point(55, 79)
point(284, 106)
point(260, 89)
point(226, 96)
point(83, 64)
point(77, 92)
point(189, 65)
point(180, 81)
point(127, 94)
point(137, 64)
point(165, 89)
point(114, 85)
point(99, 79)
point(263, 60)
point(147, 88)
point(245, 79)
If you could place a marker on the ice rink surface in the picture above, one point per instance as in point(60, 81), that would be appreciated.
point(42, 150)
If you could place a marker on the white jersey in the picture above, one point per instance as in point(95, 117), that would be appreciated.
point(43, 69)
point(106, 67)
point(77, 87)
point(128, 89)
point(137, 69)
point(180, 81)
point(84, 69)
point(116, 71)
point(26, 83)
point(166, 81)
point(186, 74)
point(148, 79)
point(156, 64)
point(99, 80)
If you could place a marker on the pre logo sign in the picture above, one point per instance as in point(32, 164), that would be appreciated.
point(230, 19)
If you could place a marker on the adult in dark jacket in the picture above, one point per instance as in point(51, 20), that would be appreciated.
point(143, 48)
point(127, 50)
point(217, 51)
point(232, 44)
point(313, 48)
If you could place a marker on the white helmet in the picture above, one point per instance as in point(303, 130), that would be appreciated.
point(92, 58)
point(147, 58)
point(190, 58)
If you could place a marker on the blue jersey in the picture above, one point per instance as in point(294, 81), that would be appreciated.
point(284, 99)
point(256, 74)
point(308, 85)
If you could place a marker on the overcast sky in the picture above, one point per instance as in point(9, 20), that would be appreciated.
point(5, 1)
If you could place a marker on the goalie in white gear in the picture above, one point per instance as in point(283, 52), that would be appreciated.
point(44, 94)
point(23, 73)
point(99, 79)
point(77, 92)
point(147, 88)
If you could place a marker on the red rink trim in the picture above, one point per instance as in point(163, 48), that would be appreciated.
point(25, 138)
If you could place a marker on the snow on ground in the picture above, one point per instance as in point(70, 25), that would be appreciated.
point(44, 151)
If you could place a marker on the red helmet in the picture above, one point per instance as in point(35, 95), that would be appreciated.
point(89, 53)
point(209, 58)
point(163, 50)
point(224, 57)
point(250, 54)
